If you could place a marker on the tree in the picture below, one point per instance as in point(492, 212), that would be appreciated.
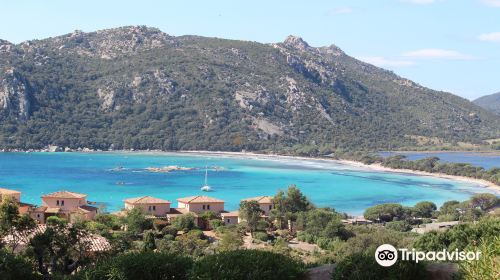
point(136, 221)
point(14, 267)
point(61, 248)
point(424, 209)
point(250, 212)
point(484, 201)
point(296, 201)
point(384, 212)
point(149, 241)
point(12, 224)
point(185, 222)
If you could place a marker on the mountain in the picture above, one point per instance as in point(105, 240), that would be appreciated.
point(490, 102)
point(137, 87)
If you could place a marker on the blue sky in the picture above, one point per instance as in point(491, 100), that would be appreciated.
point(451, 45)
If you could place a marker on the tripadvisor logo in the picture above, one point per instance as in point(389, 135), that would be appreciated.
point(387, 255)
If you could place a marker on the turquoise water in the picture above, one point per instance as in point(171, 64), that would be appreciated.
point(485, 160)
point(109, 178)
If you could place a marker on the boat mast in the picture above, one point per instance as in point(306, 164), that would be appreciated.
point(206, 176)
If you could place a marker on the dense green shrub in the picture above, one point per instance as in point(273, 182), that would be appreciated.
point(144, 265)
point(398, 226)
point(262, 236)
point(249, 265)
point(14, 267)
point(364, 267)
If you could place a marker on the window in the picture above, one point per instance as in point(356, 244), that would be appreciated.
point(270, 207)
point(154, 207)
point(208, 207)
point(62, 202)
point(57, 202)
point(38, 215)
point(228, 221)
point(203, 206)
point(149, 208)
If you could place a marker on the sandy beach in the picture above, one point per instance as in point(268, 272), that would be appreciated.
point(372, 167)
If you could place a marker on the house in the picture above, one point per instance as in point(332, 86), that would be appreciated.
point(95, 243)
point(265, 203)
point(200, 204)
point(24, 208)
point(357, 221)
point(10, 193)
point(64, 204)
point(230, 218)
point(150, 205)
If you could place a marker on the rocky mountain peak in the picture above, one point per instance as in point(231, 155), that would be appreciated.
point(5, 46)
point(296, 42)
point(15, 94)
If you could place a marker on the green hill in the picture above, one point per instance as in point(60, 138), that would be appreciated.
point(137, 87)
point(489, 102)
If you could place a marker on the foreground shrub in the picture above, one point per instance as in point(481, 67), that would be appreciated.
point(145, 266)
point(15, 267)
point(262, 236)
point(364, 267)
point(249, 265)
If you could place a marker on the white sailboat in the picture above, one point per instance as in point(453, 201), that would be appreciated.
point(206, 187)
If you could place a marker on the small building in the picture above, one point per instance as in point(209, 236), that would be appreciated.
point(96, 243)
point(150, 205)
point(265, 203)
point(200, 204)
point(10, 193)
point(230, 218)
point(64, 204)
point(357, 221)
point(24, 208)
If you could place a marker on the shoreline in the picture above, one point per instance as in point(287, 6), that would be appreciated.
point(252, 155)
point(373, 167)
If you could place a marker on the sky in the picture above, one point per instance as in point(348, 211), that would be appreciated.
point(449, 45)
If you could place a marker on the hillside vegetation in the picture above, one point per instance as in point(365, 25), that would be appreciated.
point(139, 88)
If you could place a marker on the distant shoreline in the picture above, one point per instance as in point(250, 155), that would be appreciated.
point(373, 167)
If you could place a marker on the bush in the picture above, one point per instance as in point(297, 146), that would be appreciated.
point(14, 267)
point(402, 226)
point(249, 265)
point(215, 223)
point(262, 236)
point(170, 230)
point(363, 266)
point(185, 222)
point(145, 265)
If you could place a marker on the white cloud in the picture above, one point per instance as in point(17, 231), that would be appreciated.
point(438, 54)
point(493, 3)
point(490, 37)
point(386, 62)
point(340, 11)
point(420, 2)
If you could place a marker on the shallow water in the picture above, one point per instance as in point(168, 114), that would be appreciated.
point(109, 178)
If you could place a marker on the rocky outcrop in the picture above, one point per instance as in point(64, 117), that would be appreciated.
point(15, 94)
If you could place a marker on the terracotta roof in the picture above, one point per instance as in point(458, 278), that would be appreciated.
point(40, 209)
point(199, 199)
point(53, 210)
point(87, 208)
point(65, 194)
point(230, 214)
point(145, 200)
point(260, 199)
point(96, 242)
point(7, 191)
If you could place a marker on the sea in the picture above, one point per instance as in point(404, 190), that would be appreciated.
point(110, 177)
